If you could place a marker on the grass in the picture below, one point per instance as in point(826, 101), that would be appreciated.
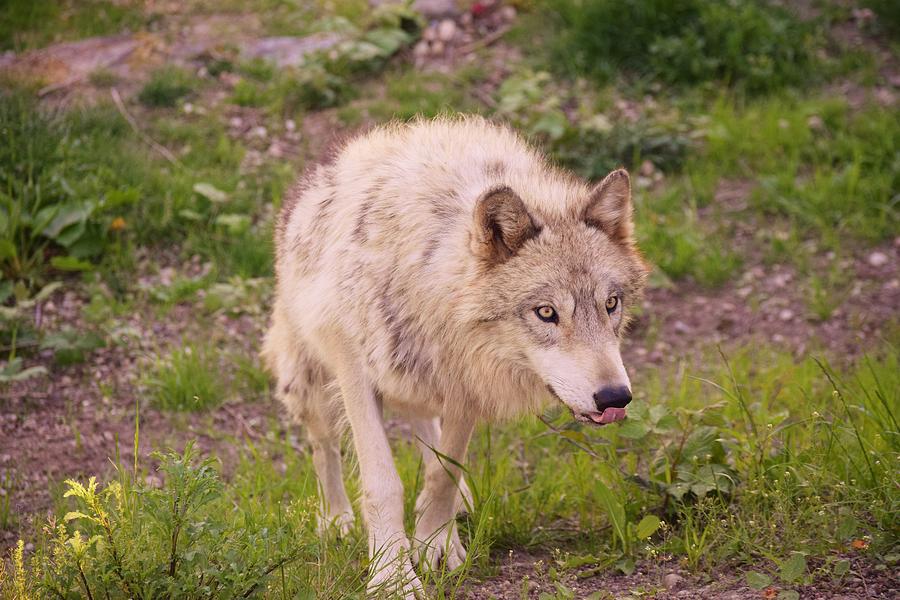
point(188, 379)
point(166, 87)
point(26, 25)
point(737, 462)
point(754, 46)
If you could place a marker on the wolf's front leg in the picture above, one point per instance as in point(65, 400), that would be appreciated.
point(436, 507)
point(382, 497)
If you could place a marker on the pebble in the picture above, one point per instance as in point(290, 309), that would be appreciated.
point(878, 259)
point(420, 49)
point(437, 48)
point(786, 314)
point(446, 30)
point(672, 581)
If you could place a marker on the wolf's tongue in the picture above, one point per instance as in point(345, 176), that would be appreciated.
point(610, 415)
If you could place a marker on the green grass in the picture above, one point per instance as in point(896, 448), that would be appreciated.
point(751, 45)
point(189, 378)
point(166, 87)
point(746, 462)
point(25, 24)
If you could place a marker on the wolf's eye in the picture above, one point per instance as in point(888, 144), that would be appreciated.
point(547, 314)
point(611, 303)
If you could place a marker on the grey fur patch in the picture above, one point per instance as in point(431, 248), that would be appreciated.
point(361, 229)
point(494, 168)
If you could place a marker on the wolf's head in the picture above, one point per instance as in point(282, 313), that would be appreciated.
point(556, 290)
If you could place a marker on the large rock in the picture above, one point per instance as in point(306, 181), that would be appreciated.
point(288, 51)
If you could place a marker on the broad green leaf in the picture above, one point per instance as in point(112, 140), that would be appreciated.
point(614, 510)
point(788, 595)
point(70, 263)
point(389, 40)
point(71, 234)
point(7, 249)
point(758, 580)
point(846, 527)
point(793, 568)
point(633, 429)
point(626, 566)
point(841, 568)
point(75, 515)
point(647, 527)
point(66, 215)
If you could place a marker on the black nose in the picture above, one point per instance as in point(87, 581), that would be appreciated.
point(612, 397)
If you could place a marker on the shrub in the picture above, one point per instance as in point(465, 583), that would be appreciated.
point(181, 540)
point(56, 195)
point(750, 44)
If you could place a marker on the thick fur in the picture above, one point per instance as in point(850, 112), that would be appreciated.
point(408, 273)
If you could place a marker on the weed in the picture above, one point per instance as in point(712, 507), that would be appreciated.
point(189, 378)
point(166, 87)
point(756, 46)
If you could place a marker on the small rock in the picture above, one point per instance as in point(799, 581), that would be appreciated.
point(420, 50)
point(437, 48)
point(259, 131)
point(672, 581)
point(786, 314)
point(878, 259)
point(508, 13)
point(446, 30)
point(236, 122)
point(290, 125)
point(681, 327)
point(430, 33)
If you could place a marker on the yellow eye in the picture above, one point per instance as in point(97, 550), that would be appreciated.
point(611, 303)
point(547, 314)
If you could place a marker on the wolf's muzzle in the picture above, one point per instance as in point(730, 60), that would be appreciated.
point(612, 397)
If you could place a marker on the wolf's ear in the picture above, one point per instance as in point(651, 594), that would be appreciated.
point(502, 225)
point(609, 207)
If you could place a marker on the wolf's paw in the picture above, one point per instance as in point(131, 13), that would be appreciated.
point(397, 579)
point(340, 523)
point(430, 545)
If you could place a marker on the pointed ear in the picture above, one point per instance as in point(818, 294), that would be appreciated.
point(502, 225)
point(609, 207)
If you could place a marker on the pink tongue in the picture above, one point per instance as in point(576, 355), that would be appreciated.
point(610, 415)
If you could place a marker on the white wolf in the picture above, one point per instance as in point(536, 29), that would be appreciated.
point(445, 270)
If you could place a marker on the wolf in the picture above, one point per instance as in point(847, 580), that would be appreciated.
point(443, 269)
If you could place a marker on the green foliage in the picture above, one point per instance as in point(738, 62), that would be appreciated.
point(182, 539)
point(826, 169)
point(189, 378)
point(750, 44)
point(40, 210)
point(25, 24)
point(166, 87)
point(887, 13)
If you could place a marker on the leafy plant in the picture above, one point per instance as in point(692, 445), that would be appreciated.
point(132, 540)
point(757, 46)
